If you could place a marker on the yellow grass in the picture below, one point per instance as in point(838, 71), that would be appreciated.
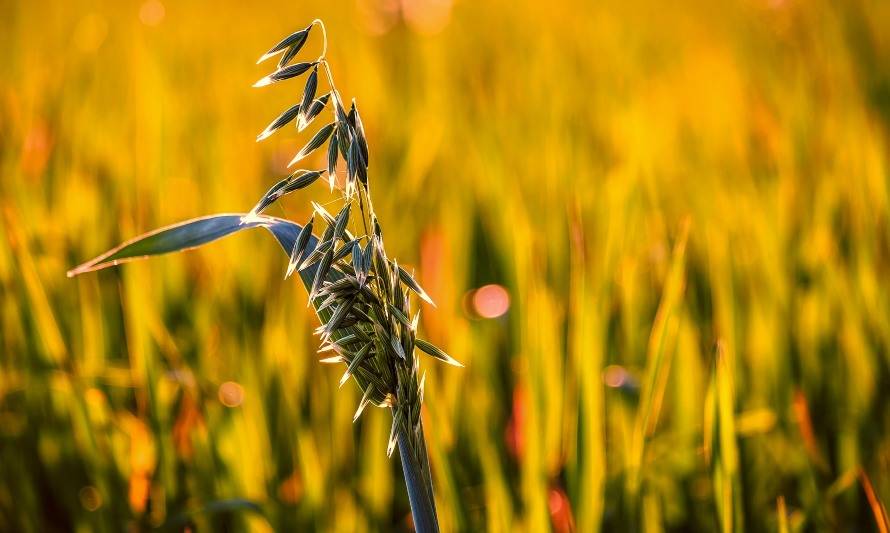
point(687, 204)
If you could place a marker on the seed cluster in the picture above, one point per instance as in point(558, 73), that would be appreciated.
point(360, 295)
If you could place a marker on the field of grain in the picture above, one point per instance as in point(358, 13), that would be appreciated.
point(683, 207)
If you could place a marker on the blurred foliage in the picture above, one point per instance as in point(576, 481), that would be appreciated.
point(687, 203)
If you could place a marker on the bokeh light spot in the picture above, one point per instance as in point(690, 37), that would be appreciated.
point(90, 498)
point(615, 376)
point(491, 301)
point(426, 16)
point(378, 16)
point(231, 394)
point(152, 12)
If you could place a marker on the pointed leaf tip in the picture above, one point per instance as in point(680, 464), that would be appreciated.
point(292, 43)
point(316, 141)
point(436, 352)
point(409, 280)
point(279, 122)
point(366, 399)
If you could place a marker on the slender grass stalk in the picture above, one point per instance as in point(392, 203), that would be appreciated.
point(361, 296)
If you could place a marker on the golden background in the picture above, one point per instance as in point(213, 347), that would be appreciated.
point(686, 202)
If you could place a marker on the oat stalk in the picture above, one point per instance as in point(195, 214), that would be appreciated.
point(361, 296)
point(365, 312)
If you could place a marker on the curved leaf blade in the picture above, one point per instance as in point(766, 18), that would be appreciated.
point(191, 234)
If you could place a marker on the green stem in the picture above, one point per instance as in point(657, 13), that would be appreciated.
point(415, 469)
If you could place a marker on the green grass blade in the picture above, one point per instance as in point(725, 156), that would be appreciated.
point(191, 234)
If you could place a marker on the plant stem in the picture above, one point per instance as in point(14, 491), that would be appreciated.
point(415, 469)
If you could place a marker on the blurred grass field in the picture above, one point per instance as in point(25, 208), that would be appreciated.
point(687, 205)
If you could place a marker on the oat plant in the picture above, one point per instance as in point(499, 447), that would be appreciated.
point(362, 297)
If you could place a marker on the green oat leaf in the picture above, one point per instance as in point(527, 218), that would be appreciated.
point(366, 399)
point(308, 95)
point(298, 180)
point(396, 312)
point(315, 108)
point(191, 234)
point(332, 161)
point(299, 249)
point(294, 48)
point(286, 73)
point(354, 364)
point(341, 221)
point(360, 133)
point(294, 41)
point(279, 122)
point(317, 140)
point(409, 280)
point(436, 352)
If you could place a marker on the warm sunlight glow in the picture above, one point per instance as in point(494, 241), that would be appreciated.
point(615, 376)
point(491, 301)
point(152, 13)
point(231, 394)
